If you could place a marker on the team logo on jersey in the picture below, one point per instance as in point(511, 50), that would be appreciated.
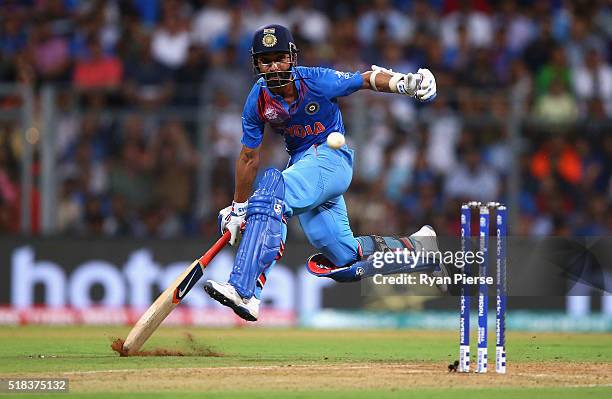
point(312, 108)
point(271, 114)
point(269, 40)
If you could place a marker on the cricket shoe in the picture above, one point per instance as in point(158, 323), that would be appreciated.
point(426, 240)
point(226, 294)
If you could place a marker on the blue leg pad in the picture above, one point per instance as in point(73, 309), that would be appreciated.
point(262, 240)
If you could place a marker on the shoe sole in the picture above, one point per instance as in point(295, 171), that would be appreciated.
point(217, 296)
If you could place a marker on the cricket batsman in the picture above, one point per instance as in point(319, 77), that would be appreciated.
point(301, 103)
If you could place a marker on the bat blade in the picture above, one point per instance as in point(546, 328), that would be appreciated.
point(170, 298)
point(159, 310)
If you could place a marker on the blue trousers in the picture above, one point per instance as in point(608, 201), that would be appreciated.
point(314, 185)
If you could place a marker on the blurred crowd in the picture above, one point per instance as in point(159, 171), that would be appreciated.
point(525, 97)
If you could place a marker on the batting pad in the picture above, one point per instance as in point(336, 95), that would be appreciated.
point(262, 239)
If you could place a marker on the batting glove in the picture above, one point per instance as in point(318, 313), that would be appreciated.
point(420, 85)
point(233, 218)
point(426, 88)
point(399, 83)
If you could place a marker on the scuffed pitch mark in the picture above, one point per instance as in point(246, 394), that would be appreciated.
point(195, 349)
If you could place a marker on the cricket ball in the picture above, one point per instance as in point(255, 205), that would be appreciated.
point(335, 140)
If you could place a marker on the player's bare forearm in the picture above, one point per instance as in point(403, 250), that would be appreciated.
point(246, 171)
point(382, 81)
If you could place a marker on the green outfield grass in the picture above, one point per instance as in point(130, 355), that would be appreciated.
point(305, 363)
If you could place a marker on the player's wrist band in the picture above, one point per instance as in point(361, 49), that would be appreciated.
point(373, 79)
point(397, 82)
point(239, 208)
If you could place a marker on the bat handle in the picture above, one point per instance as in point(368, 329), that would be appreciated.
point(214, 250)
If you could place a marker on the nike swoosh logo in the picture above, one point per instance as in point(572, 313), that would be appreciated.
point(182, 292)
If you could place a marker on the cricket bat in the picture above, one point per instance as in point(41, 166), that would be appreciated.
point(170, 298)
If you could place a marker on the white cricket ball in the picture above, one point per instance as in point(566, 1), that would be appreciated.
point(335, 140)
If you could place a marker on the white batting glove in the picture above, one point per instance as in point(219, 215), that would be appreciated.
point(233, 218)
point(426, 90)
point(399, 83)
point(420, 85)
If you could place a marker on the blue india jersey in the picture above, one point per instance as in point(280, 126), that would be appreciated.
point(309, 119)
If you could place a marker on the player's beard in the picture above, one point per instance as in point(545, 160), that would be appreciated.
point(278, 79)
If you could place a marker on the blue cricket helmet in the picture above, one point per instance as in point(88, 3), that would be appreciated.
point(274, 39)
point(271, 39)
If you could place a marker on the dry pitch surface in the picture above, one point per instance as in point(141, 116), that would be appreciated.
point(254, 362)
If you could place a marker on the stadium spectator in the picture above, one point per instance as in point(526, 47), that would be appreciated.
point(174, 167)
point(211, 20)
point(120, 220)
point(471, 179)
point(538, 52)
point(476, 21)
point(170, 41)
point(258, 13)
point(557, 105)
point(593, 80)
point(70, 207)
point(398, 26)
point(311, 24)
point(190, 76)
point(556, 69)
point(557, 158)
point(13, 43)
point(97, 70)
point(582, 40)
point(129, 179)
point(519, 29)
point(147, 82)
point(50, 54)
